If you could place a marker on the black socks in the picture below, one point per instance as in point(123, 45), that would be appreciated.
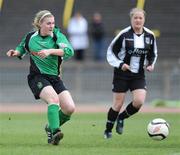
point(112, 115)
point(111, 118)
point(130, 110)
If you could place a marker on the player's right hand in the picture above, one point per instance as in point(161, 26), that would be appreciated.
point(12, 53)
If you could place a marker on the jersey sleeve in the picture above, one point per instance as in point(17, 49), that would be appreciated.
point(64, 44)
point(152, 55)
point(21, 47)
point(113, 51)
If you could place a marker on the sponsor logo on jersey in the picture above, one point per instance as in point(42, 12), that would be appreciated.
point(137, 51)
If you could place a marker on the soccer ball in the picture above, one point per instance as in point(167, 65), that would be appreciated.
point(158, 129)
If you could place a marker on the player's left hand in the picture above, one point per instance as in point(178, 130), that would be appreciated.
point(150, 68)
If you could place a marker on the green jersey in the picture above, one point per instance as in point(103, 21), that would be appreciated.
point(51, 64)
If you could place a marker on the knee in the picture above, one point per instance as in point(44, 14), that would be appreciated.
point(117, 107)
point(117, 104)
point(54, 100)
point(71, 109)
point(138, 103)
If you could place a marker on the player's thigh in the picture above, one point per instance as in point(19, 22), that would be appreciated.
point(49, 95)
point(138, 88)
point(139, 96)
point(37, 83)
point(66, 102)
point(120, 87)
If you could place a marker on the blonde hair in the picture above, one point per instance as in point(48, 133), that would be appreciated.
point(39, 18)
point(134, 10)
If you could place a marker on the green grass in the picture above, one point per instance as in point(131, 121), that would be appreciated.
point(23, 134)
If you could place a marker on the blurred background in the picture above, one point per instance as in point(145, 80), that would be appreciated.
point(89, 80)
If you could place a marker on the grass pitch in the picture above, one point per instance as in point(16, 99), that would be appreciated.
point(23, 134)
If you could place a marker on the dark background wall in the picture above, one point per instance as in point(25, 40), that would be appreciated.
point(16, 18)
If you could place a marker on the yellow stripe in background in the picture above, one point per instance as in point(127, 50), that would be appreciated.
point(157, 33)
point(1, 4)
point(140, 4)
point(67, 12)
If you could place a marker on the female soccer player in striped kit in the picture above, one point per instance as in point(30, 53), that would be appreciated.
point(131, 52)
point(48, 47)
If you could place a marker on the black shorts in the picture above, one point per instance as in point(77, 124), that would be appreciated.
point(39, 81)
point(123, 85)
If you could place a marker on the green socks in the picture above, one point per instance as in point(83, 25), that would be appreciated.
point(63, 117)
point(53, 117)
point(56, 117)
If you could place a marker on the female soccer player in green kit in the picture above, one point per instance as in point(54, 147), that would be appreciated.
point(48, 47)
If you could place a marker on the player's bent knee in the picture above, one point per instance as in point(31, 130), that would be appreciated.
point(53, 100)
point(70, 109)
point(138, 104)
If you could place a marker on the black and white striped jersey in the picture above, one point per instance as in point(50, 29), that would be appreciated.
point(132, 49)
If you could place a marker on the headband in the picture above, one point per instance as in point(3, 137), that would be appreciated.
point(46, 14)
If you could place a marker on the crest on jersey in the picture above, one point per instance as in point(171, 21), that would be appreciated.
point(147, 40)
point(39, 85)
point(62, 45)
